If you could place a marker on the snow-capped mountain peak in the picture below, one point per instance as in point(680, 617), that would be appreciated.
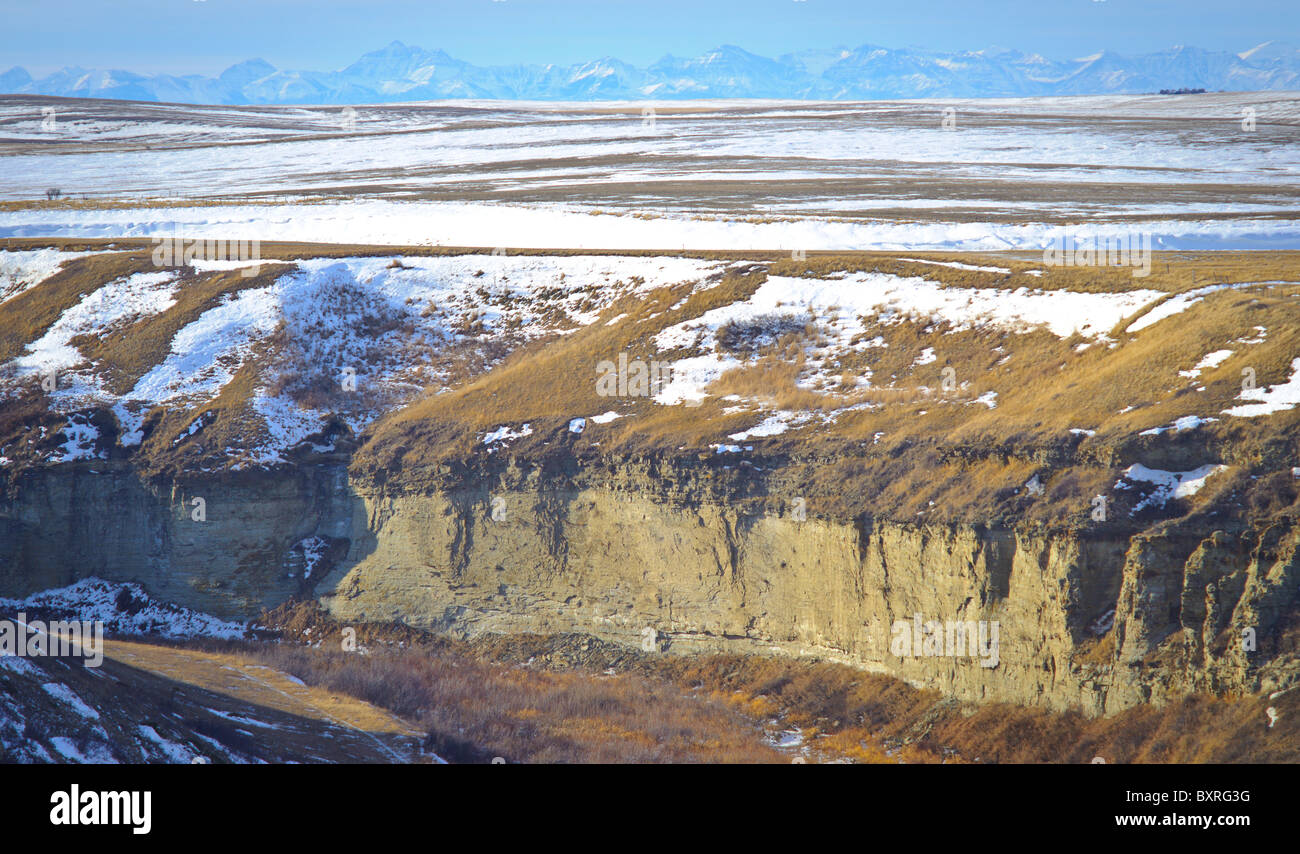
point(399, 71)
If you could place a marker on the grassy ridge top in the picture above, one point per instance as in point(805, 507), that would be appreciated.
point(918, 386)
point(1072, 410)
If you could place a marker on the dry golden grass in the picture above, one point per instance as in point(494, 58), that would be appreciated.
point(475, 707)
point(706, 707)
point(129, 351)
point(246, 680)
point(476, 710)
point(221, 707)
point(862, 715)
point(27, 316)
point(917, 453)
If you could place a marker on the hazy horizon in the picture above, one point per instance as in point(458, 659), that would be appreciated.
point(206, 37)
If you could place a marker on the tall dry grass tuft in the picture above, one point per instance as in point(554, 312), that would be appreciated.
point(497, 696)
point(475, 710)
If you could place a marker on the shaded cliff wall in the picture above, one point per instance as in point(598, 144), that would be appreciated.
point(61, 524)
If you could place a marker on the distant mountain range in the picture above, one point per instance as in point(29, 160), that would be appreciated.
point(400, 72)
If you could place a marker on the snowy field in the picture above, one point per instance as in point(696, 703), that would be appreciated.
point(482, 224)
point(1205, 171)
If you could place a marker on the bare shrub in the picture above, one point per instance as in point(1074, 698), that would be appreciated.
point(752, 334)
point(341, 330)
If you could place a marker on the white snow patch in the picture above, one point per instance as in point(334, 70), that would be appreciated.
point(1187, 422)
point(1179, 303)
point(82, 437)
point(691, 376)
point(124, 608)
point(1258, 339)
point(957, 265)
point(62, 692)
point(1278, 398)
point(16, 664)
point(1209, 362)
point(773, 425)
point(133, 296)
point(287, 425)
point(842, 307)
point(97, 754)
point(170, 749)
point(26, 268)
point(505, 434)
point(313, 551)
point(1169, 484)
point(206, 353)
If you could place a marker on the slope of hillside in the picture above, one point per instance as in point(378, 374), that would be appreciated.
point(113, 701)
point(156, 705)
point(726, 449)
point(109, 357)
point(984, 373)
point(244, 368)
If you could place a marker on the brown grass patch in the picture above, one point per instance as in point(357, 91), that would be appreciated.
point(128, 352)
point(27, 316)
point(843, 713)
point(476, 710)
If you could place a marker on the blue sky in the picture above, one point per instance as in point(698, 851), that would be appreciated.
point(205, 36)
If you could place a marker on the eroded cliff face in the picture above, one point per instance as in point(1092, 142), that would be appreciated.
point(1214, 614)
point(1083, 620)
point(219, 544)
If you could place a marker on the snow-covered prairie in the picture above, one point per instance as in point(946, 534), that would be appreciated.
point(743, 175)
point(396, 223)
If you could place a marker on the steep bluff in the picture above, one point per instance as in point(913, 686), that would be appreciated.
point(1090, 620)
point(220, 543)
point(1084, 621)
